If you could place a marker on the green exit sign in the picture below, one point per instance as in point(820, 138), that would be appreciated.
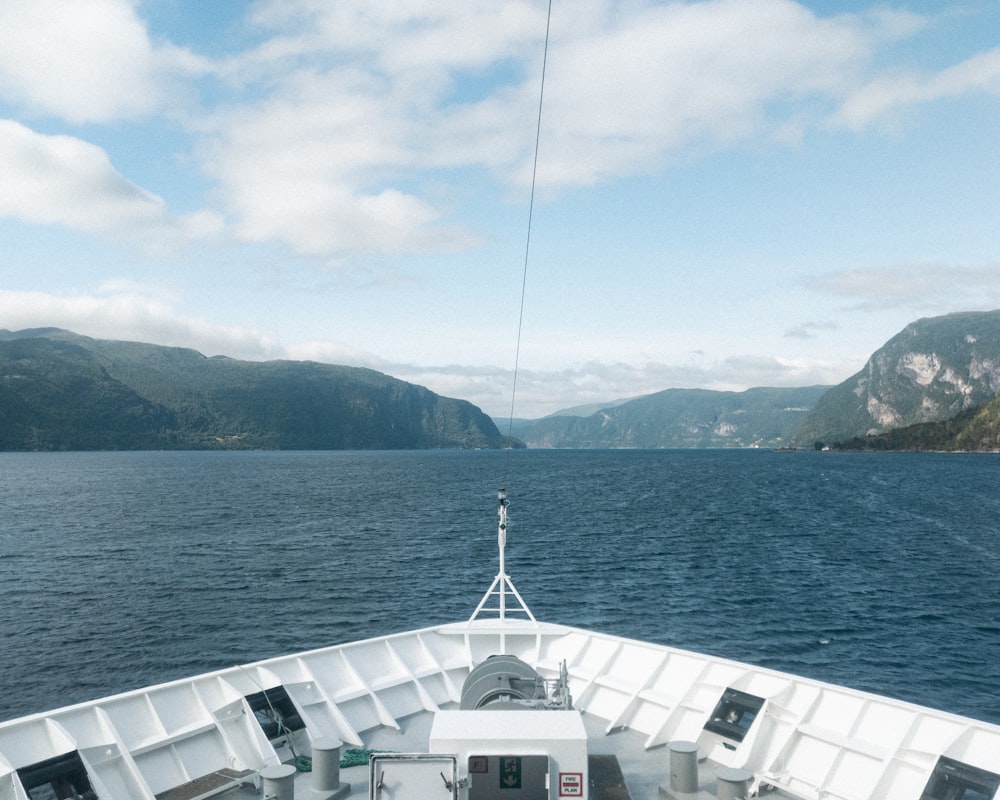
point(510, 772)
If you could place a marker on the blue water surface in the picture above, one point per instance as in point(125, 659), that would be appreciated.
point(877, 571)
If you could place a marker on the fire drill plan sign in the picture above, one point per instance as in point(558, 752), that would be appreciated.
point(571, 784)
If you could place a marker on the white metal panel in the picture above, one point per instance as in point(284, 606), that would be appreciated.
point(88, 726)
point(243, 738)
point(113, 776)
point(678, 673)
point(900, 781)
point(36, 741)
point(836, 711)
point(179, 708)
point(884, 724)
point(7, 786)
point(507, 728)
point(855, 775)
point(978, 748)
point(202, 754)
point(934, 733)
point(161, 769)
point(216, 691)
point(134, 719)
point(413, 776)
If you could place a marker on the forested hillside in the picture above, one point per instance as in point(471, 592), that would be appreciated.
point(762, 417)
point(975, 430)
point(61, 391)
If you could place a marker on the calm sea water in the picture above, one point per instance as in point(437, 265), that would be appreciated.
point(878, 571)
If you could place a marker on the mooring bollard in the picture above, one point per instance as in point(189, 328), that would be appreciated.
point(326, 764)
point(683, 766)
point(733, 783)
point(279, 782)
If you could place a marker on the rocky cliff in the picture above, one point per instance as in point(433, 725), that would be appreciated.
point(932, 370)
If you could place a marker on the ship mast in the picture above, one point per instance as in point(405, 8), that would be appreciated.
point(502, 544)
point(502, 588)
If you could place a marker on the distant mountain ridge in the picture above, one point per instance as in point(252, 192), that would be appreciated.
point(929, 387)
point(760, 417)
point(62, 391)
point(931, 371)
point(937, 370)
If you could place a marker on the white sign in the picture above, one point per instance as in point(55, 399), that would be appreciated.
point(571, 784)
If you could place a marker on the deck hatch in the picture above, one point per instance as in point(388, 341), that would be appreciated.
point(413, 776)
point(734, 714)
point(275, 712)
point(955, 780)
point(62, 776)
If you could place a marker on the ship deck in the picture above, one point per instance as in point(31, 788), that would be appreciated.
point(215, 735)
point(621, 768)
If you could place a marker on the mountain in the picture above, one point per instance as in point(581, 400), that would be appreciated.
point(932, 370)
point(61, 391)
point(762, 417)
point(975, 430)
point(519, 425)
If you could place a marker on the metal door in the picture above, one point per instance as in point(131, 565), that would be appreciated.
point(412, 776)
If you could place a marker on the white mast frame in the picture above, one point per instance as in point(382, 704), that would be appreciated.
point(502, 586)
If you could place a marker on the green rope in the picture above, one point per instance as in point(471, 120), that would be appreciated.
point(301, 763)
point(355, 757)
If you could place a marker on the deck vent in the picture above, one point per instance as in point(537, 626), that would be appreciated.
point(62, 776)
point(275, 712)
point(734, 714)
point(953, 780)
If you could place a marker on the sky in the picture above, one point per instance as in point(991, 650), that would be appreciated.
point(729, 193)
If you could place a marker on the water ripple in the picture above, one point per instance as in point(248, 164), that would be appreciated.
point(872, 570)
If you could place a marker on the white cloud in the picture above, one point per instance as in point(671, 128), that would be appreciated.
point(914, 285)
point(886, 96)
point(810, 330)
point(315, 168)
point(67, 181)
point(542, 392)
point(401, 37)
point(128, 311)
point(646, 86)
point(345, 120)
point(131, 311)
point(87, 61)
point(358, 102)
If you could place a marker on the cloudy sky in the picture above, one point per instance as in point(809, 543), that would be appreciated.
point(731, 193)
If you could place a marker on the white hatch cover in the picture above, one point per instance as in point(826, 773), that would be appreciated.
point(412, 776)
